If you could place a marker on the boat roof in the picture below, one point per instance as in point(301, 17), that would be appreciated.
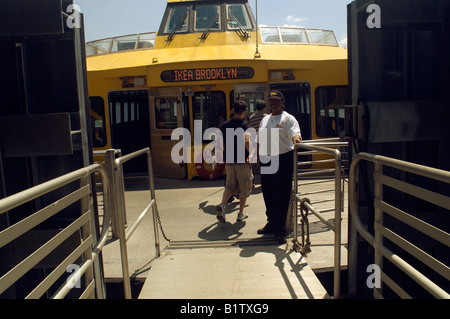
point(233, 42)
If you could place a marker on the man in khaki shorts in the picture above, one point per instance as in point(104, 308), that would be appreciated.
point(238, 160)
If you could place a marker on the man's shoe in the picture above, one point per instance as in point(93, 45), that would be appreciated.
point(221, 213)
point(265, 230)
point(241, 217)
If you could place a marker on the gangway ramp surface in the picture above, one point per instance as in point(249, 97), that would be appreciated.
point(255, 268)
point(203, 251)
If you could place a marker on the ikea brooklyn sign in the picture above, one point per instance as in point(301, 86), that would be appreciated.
point(207, 74)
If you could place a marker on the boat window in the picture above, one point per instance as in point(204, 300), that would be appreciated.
point(293, 35)
point(178, 19)
point(270, 34)
point(166, 112)
point(251, 98)
point(98, 47)
point(298, 35)
point(207, 17)
point(209, 107)
point(147, 41)
point(130, 124)
point(124, 43)
point(98, 122)
point(330, 111)
point(322, 37)
point(237, 15)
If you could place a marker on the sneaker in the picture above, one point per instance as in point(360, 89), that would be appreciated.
point(242, 216)
point(221, 213)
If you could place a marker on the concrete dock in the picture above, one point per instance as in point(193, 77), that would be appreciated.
point(208, 259)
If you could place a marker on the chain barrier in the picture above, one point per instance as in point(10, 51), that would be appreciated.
point(305, 246)
point(158, 217)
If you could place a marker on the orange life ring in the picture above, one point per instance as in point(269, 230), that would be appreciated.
point(209, 171)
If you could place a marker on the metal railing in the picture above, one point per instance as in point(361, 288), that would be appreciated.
point(114, 212)
point(117, 182)
point(382, 232)
point(314, 148)
point(88, 248)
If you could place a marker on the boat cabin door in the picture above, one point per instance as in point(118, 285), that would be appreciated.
point(166, 109)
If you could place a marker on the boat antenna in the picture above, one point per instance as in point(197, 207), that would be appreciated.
point(257, 54)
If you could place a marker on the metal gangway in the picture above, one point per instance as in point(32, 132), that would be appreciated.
point(79, 274)
point(290, 272)
point(262, 264)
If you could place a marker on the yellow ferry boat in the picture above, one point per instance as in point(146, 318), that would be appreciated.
point(206, 55)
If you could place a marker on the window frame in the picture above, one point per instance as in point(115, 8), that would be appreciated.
point(247, 14)
point(167, 19)
point(174, 114)
point(336, 110)
point(98, 101)
point(194, 18)
point(222, 113)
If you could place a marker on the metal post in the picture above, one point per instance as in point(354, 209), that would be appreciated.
point(378, 195)
point(121, 188)
point(118, 194)
point(257, 54)
point(337, 225)
point(109, 166)
point(353, 233)
point(154, 212)
point(295, 204)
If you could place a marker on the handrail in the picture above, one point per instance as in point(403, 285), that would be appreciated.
point(85, 248)
point(376, 240)
point(337, 207)
point(112, 188)
point(120, 212)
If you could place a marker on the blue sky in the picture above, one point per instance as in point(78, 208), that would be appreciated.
point(107, 18)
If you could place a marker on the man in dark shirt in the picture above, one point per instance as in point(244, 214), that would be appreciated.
point(240, 153)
